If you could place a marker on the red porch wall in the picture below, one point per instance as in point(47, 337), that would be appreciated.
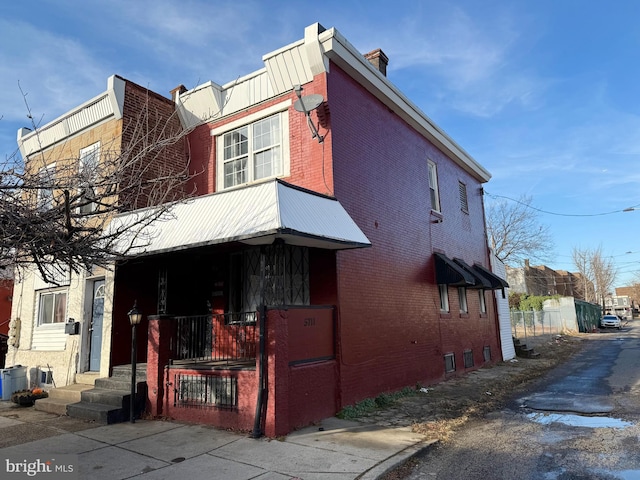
point(299, 394)
point(240, 420)
point(391, 333)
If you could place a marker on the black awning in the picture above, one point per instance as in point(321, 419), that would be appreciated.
point(497, 283)
point(480, 280)
point(449, 272)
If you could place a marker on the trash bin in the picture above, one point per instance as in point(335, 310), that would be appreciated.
point(13, 379)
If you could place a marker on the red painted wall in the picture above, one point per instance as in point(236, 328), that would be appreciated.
point(6, 296)
point(391, 334)
point(306, 154)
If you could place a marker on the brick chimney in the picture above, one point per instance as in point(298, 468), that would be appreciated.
point(176, 92)
point(378, 59)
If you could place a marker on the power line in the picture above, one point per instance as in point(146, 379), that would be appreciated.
point(628, 209)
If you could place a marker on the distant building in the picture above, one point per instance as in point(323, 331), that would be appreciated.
point(542, 280)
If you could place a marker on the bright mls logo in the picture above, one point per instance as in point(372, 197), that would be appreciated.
point(54, 467)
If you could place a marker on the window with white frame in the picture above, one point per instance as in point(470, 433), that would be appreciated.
point(433, 187)
point(52, 307)
point(483, 303)
point(444, 298)
point(89, 157)
point(46, 177)
point(252, 152)
point(462, 296)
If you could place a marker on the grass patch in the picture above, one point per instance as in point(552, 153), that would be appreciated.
point(368, 405)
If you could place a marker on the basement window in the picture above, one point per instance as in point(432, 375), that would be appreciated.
point(449, 363)
point(468, 358)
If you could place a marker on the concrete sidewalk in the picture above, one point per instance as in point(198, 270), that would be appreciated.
point(153, 449)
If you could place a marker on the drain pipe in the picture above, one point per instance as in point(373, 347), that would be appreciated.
point(261, 400)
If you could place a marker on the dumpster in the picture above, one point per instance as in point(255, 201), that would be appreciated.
point(13, 379)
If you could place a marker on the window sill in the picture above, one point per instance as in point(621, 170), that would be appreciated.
point(484, 315)
point(445, 315)
point(464, 315)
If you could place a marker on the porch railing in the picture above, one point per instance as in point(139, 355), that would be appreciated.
point(229, 337)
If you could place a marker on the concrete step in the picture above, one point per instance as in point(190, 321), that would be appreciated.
point(106, 396)
point(98, 412)
point(59, 398)
point(124, 372)
point(87, 378)
point(119, 383)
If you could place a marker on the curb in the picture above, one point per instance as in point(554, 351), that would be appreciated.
point(397, 460)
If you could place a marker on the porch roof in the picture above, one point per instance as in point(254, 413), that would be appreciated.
point(256, 214)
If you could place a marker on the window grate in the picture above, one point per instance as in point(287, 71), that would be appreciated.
point(468, 358)
point(205, 391)
point(486, 353)
point(449, 363)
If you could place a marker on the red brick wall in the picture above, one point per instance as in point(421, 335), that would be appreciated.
point(306, 154)
point(390, 331)
point(151, 116)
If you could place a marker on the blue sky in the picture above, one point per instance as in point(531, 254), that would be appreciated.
point(544, 94)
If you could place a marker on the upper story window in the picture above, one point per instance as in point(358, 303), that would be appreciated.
point(46, 177)
point(89, 157)
point(464, 203)
point(433, 187)
point(462, 297)
point(253, 151)
point(444, 297)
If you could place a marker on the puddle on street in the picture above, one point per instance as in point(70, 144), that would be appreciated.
point(578, 420)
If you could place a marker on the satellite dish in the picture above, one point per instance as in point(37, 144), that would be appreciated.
point(308, 103)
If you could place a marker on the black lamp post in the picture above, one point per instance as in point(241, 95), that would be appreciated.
point(134, 318)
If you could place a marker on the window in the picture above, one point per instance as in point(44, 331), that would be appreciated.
point(88, 165)
point(433, 187)
point(464, 203)
point(462, 295)
point(252, 152)
point(53, 307)
point(467, 356)
point(46, 178)
point(449, 362)
point(483, 304)
point(444, 298)
point(286, 278)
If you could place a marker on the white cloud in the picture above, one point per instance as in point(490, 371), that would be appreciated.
point(54, 72)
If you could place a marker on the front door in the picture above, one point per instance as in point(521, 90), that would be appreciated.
point(95, 330)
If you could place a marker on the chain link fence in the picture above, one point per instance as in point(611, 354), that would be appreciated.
point(534, 323)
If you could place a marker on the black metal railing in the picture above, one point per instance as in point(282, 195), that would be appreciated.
point(227, 337)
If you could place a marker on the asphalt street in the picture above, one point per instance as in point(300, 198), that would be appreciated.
point(578, 422)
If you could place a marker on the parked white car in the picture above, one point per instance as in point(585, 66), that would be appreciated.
point(612, 321)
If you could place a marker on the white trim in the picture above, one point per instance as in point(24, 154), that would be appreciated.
point(284, 146)
point(254, 117)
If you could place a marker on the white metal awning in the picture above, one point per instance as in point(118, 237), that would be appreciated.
point(255, 214)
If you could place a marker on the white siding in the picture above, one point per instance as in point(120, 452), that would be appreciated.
point(49, 338)
point(504, 319)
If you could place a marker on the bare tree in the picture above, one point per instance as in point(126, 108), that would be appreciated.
point(515, 233)
point(597, 270)
point(54, 211)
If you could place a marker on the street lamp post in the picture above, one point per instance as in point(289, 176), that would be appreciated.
point(134, 318)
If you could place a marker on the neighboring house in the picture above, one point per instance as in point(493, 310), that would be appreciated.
point(337, 250)
point(6, 298)
point(621, 305)
point(104, 125)
point(542, 280)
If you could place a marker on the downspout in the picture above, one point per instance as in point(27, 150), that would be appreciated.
point(261, 401)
